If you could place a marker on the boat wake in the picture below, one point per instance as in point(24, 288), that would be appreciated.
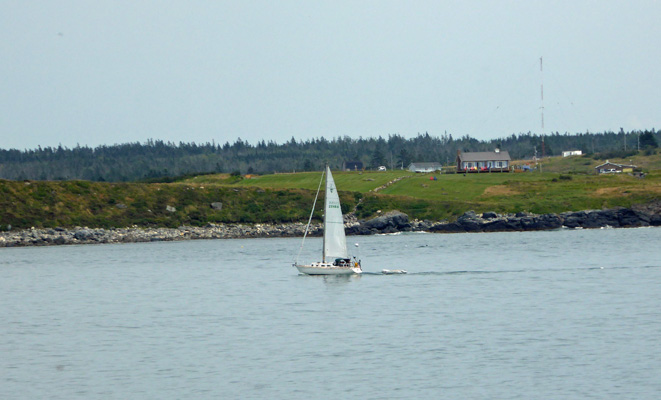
point(508, 271)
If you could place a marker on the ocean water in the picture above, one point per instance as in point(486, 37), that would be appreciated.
point(571, 314)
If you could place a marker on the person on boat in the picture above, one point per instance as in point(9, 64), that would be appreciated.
point(342, 262)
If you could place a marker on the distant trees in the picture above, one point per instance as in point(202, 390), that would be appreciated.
point(378, 159)
point(647, 140)
point(404, 158)
point(156, 159)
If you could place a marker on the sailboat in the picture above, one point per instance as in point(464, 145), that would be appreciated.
point(335, 256)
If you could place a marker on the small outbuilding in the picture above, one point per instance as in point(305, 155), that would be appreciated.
point(568, 153)
point(425, 167)
point(483, 161)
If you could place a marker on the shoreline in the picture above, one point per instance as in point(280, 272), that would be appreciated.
point(391, 222)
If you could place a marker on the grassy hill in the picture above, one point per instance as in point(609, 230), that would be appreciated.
point(95, 204)
point(565, 185)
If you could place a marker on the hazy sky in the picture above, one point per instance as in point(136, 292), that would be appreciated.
point(105, 72)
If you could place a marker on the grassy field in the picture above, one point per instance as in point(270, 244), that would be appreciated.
point(450, 195)
point(288, 197)
point(349, 181)
point(585, 164)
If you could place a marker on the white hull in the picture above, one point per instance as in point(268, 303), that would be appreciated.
point(327, 269)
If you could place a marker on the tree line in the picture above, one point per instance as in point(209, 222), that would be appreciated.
point(158, 160)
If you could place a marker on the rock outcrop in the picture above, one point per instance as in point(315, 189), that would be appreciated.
point(492, 222)
point(391, 222)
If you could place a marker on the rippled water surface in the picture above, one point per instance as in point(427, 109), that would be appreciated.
point(563, 314)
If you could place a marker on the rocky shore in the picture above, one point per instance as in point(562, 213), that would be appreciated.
point(492, 222)
point(84, 235)
point(392, 222)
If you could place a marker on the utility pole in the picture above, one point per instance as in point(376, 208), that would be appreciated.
point(541, 73)
point(624, 136)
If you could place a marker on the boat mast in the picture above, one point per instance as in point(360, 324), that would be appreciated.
point(541, 73)
point(323, 246)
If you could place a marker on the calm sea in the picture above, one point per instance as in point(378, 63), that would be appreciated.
point(570, 314)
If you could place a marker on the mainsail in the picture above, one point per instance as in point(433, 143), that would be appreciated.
point(335, 243)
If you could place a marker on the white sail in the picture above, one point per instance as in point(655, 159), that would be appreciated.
point(335, 243)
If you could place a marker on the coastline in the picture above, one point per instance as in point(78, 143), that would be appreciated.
point(391, 222)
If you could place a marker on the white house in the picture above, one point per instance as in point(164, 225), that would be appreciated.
point(483, 161)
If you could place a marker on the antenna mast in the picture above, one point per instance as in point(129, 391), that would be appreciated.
point(541, 72)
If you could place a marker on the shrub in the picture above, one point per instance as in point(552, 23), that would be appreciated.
point(614, 154)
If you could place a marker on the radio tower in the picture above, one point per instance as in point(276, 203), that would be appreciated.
point(541, 72)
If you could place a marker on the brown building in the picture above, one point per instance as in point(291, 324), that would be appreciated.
point(612, 168)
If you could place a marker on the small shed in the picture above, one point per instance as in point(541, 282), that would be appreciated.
point(613, 168)
point(425, 167)
point(568, 153)
point(483, 161)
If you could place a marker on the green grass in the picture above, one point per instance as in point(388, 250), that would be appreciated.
point(534, 192)
point(95, 204)
point(347, 181)
point(450, 195)
point(586, 164)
